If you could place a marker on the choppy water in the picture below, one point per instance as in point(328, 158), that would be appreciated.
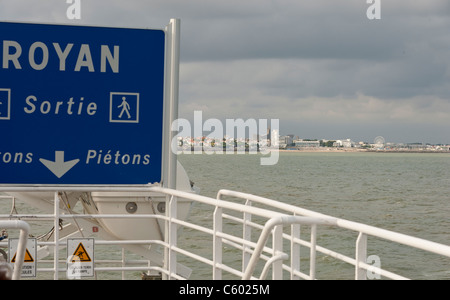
point(404, 192)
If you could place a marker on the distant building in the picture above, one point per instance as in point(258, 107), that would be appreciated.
point(416, 146)
point(306, 144)
point(286, 141)
point(348, 143)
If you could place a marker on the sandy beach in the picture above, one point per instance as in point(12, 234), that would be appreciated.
point(342, 150)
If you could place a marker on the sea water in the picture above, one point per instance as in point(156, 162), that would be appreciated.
point(403, 192)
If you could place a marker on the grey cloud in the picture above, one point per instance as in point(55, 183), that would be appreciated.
point(319, 64)
point(252, 29)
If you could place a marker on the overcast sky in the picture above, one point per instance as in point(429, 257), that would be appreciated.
point(321, 67)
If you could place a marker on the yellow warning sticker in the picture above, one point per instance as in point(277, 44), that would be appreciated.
point(80, 254)
point(27, 258)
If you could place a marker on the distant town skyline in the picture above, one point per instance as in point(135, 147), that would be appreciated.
point(371, 139)
point(298, 138)
point(309, 132)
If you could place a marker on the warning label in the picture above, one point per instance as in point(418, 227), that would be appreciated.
point(27, 258)
point(81, 254)
point(80, 258)
point(29, 261)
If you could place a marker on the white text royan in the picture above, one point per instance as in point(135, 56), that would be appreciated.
point(38, 55)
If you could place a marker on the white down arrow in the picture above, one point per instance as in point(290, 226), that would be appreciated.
point(59, 167)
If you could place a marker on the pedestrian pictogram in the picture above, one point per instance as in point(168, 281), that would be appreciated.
point(28, 257)
point(124, 108)
point(80, 254)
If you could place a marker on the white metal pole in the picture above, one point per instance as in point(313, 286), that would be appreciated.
point(277, 245)
point(361, 256)
point(166, 122)
point(247, 236)
point(174, 93)
point(312, 256)
point(123, 263)
point(295, 251)
point(171, 113)
point(217, 243)
point(56, 236)
point(173, 229)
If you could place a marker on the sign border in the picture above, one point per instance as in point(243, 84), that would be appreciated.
point(170, 114)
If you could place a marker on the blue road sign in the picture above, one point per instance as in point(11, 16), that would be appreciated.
point(80, 105)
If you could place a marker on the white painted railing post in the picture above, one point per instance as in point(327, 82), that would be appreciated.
point(312, 262)
point(56, 237)
point(123, 263)
point(295, 251)
point(217, 243)
point(277, 240)
point(173, 228)
point(247, 236)
point(361, 256)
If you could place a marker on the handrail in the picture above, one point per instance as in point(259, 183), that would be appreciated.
point(271, 261)
point(22, 245)
point(282, 220)
point(275, 215)
point(350, 225)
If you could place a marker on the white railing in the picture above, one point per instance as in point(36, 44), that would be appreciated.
point(22, 244)
point(237, 237)
point(361, 243)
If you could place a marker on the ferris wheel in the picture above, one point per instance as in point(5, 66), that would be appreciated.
point(379, 140)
